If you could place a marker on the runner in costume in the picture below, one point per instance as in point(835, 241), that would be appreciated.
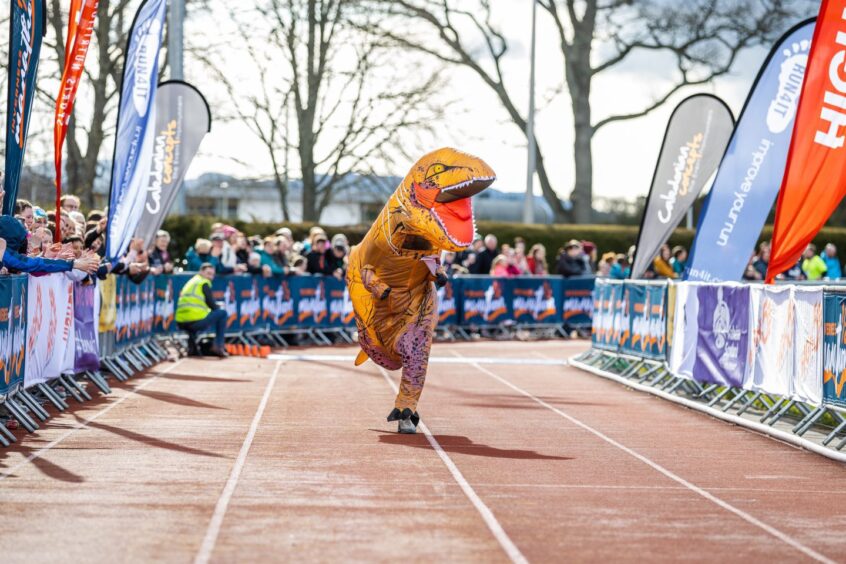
point(392, 273)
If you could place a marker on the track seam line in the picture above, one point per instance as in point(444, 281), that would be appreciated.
point(487, 515)
point(43, 450)
point(668, 473)
point(213, 530)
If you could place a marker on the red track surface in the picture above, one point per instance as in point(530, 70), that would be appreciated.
point(222, 460)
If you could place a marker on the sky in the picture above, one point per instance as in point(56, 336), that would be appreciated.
point(624, 153)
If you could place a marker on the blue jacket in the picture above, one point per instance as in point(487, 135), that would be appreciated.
point(15, 236)
point(833, 265)
point(195, 260)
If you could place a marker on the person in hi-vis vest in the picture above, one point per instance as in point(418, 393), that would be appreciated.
point(196, 311)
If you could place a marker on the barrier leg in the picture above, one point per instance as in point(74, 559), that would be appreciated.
point(834, 432)
point(51, 395)
point(632, 369)
point(749, 403)
point(32, 404)
point(673, 385)
point(3, 440)
point(69, 378)
point(96, 379)
point(720, 396)
point(802, 427)
point(18, 413)
point(771, 411)
point(707, 390)
point(7, 435)
point(740, 395)
point(69, 389)
point(126, 360)
point(783, 411)
point(138, 354)
point(114, 369)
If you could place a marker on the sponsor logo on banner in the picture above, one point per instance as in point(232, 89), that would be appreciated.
point(250, 306)
point(648, 323)
point(12, 331)
point(487, 305)
point(538, 302)
point(783, 107)
point(230, 302)
point(312, 303)
point(28, 38)
point(446, 303)
point(578, 302)
point(685, 174)
point(149, 39)
point(163, 154)
point(340, 306)
point(277, 303)
point(622, 318)
point(165, 306)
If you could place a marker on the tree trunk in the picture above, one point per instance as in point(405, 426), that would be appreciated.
point(309, 182)
point(578, 70)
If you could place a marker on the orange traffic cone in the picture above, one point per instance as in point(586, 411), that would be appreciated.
point(255, 351)
point(239, 349)
point(265, 351)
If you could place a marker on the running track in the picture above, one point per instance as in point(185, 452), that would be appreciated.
point(291, 460)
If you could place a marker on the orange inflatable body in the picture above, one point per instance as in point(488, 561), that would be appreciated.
point(391, 274)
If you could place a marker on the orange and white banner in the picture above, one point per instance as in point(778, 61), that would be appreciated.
point(815, 178)
point(80, 28)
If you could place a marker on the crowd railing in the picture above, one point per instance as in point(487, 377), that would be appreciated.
point(772, 358)
point(56, 334)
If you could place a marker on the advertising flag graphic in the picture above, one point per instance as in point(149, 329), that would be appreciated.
point(182, 120)
point(696, 138)
point(816, 166)
point(750, 173)
point(135, 132)
point(76, 48)
point(26, 29)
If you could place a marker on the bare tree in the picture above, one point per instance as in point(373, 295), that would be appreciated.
point(704, 38)
point(348, 109)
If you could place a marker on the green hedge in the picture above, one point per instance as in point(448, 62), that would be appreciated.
point(185, 230)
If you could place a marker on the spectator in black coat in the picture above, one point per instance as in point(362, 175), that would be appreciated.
point(572, 262)
point(316, 258)
point(484, 259)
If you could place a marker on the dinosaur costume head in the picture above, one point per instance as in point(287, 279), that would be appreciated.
point(436, 196)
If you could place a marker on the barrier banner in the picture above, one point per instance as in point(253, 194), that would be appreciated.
point(619, 315)
point(135, 306)
point(751, 171)
point(167, 294)
point(13, 323)
point(600, 290)
point(535, 300)
point(108, 304)
point(623, 320)
point(771, 352)
point(721, 350)
point(338, 303)
point(135, 121)
point(812, 187)
point(447, 306)
point(834, 349)
point(239, 297)
point(696, 138)
point(685, 333)
point(807, 358)
point(86, 343)
point(27, 21)
point(484, 301)
point(49, 327)
point(277, 303)
point(646, 335)
point(577, 301)
point(608, 296)
point(309, 294)
point(182, 120)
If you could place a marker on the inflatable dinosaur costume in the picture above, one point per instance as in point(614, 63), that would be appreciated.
point(391, 274)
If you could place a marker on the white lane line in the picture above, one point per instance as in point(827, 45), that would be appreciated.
point(487, 515)
point(433, 360)
point(675, 477)
point(81, 425)
point(216, 522)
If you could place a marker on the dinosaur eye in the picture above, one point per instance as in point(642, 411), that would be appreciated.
point(435, 169)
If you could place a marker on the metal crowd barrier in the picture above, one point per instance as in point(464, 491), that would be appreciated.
point(771, 358)
point(56, 335)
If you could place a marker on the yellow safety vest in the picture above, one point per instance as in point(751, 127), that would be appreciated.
point(192, 304)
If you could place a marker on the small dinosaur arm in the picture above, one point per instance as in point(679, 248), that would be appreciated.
point(391, 273)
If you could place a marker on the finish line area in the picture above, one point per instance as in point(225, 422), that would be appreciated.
point(519, 458)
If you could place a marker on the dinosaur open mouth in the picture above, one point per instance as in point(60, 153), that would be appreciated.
point(453, 208)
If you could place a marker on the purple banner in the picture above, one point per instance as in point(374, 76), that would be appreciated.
point(723, 342)
point(85, 312)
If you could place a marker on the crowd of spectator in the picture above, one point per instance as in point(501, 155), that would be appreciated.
point(824, 265)
point(231, 252)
